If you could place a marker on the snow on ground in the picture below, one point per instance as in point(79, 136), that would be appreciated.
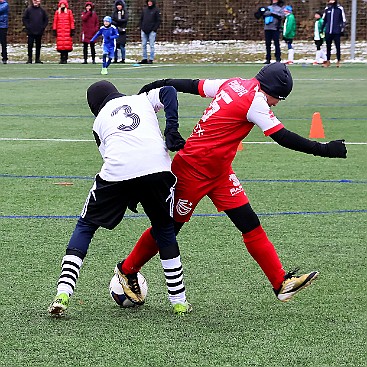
point(199, 52)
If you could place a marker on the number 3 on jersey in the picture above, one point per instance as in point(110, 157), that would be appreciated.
point(214, 105)
point(129, 115)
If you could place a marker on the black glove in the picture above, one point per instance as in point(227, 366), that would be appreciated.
point(153, 85)
point(174, 141)
point(336, 149)
point(133, 204)
point(54, 32)
point(72, 32)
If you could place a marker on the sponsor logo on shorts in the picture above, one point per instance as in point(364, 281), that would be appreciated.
point(236, 183)
point(183, 207)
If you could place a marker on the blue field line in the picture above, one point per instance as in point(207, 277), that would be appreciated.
point(5, 175)
point(206, 215)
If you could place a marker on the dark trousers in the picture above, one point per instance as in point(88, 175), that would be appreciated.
point(271, 35)
point(92, 50)
point(64, 56)
point(34, 39)
point(4, 43)
point(329, 38)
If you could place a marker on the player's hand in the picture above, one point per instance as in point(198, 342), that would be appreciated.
point(337, 149)
point(174, 141)
point(153, 85)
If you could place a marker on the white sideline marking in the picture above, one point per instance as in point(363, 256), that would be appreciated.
point(91, 140)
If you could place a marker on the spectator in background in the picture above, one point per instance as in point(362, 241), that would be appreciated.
point(35, 21)
point(4, 14)
point(273, 16)
point(64, 29)
point(319, 38)
point(119, 20)
point(334, 24)
point(90, 26)
point(289, 31)
point(150, 21)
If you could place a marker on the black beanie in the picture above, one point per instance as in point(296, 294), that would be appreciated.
point(276, 80)
point(97, 93)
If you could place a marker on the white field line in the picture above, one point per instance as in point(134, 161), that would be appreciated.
point(91, 140)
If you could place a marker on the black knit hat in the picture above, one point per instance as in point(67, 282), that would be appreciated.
point(97, 93)
point(276, 80)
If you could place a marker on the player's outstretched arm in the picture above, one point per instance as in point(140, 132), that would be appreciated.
point(181, 85)
point(291, 140)
point(168, 97)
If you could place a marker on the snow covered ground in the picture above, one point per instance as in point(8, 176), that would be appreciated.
point(199, 52)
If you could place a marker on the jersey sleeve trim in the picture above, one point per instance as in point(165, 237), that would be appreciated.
point(273, 129)
point(201, 88)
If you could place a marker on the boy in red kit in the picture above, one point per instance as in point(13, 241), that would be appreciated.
point(203, 167)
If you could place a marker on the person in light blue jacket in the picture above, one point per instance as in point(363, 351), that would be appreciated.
point(4, 15)
point(109, 33)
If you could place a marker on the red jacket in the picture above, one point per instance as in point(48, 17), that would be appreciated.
point(90, 23)
point(64, 26)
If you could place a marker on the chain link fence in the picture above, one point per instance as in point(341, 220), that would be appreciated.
point(184, 20)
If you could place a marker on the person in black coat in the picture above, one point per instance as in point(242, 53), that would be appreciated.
point(119, 20)
point(334, 24)
point(35, 20)
point(150, 21)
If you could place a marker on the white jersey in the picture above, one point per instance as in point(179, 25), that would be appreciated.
point(131, 143)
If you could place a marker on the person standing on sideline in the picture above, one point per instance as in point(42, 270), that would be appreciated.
point(273, 16)
point(318, 37)
point(203, 167)
point(4, 23)
point(120, 17)
point(64, 30)
point(109, 34)
point(150, 21)
point(289, 32)
point(35, 21)
point(334, 24)
point(90, 25)
point(136, 167)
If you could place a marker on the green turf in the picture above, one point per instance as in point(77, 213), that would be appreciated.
point(315, 220)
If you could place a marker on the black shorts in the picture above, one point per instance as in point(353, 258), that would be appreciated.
point(107, 201)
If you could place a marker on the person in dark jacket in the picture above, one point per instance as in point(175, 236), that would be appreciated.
point(150, 21)
point(90, 26)
point(119, 20)
point(273, 16)
point(334, 24)
point(4, 14)
point(35, 20)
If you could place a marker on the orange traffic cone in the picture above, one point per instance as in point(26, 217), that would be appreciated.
point(317, 130)
point(240, 146)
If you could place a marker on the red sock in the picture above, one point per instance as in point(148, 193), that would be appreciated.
point(143, 251)
point(264, 253)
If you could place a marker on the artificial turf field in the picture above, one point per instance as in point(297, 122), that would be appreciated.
point(313, 209)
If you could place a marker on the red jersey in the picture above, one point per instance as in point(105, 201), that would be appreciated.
point(236, 107)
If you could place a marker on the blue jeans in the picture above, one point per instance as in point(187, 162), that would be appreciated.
point(144, 40)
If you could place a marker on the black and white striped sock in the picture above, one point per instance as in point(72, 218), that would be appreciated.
point(174, 280)
point(70, 268)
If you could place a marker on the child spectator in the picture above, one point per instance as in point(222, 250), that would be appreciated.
point(35, 20)
point(109, 33)
point(319, 38)
point(64, 29)
point(119, 20)
point(289, 32)
point(90, 26)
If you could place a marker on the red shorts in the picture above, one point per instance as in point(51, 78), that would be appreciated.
point(225, 191)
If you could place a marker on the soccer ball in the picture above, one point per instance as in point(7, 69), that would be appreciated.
point(117, 292)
